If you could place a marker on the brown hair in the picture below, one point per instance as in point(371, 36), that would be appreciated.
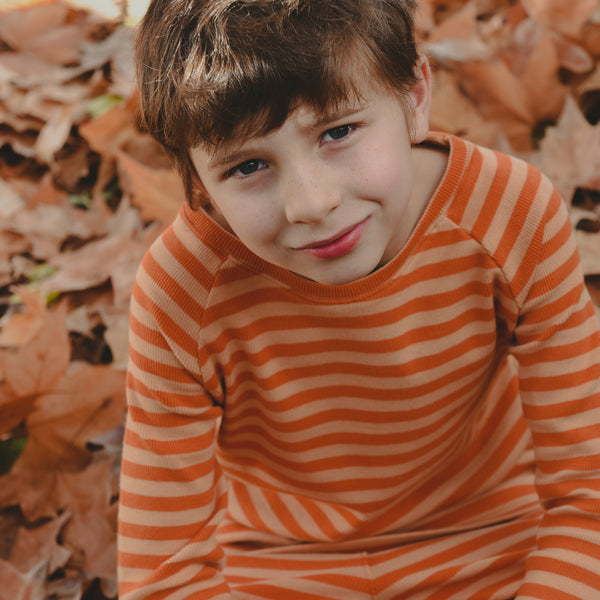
point(212, 69)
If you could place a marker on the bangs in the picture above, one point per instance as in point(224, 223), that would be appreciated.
point(210, 71)
point(261, 90)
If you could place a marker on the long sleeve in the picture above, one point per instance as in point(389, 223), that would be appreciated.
point(557, 345)
point(378, 437)
point(173, 493)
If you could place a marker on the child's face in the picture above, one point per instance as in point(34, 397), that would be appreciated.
point(328, 199)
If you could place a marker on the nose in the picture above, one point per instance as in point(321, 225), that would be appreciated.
point(309, 195)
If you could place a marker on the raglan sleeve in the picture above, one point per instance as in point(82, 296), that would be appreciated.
point(172, 492)
point(557, 345)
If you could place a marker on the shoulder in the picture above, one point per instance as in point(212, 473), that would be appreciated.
point(176, 276)
point(502, 201)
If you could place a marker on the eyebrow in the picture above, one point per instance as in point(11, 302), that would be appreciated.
point(218, 160)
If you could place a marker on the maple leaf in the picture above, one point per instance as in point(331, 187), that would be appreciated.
point(45, 494)
point(562, 15)
point(92, 537)
point(87, 402)
point(24, 326)
point(37, 549)
point(33, 368)
point(503, 72)
point(570, 152)
point(20, 586)
point(158, 193)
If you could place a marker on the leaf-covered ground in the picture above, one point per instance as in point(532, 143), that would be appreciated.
point(84, 191)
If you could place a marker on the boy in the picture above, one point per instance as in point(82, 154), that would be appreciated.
point(363, 360)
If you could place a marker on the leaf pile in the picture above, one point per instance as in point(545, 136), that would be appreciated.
point(84, 191)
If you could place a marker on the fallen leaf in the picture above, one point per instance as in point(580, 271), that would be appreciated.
point(565, 16)
point(91, 536)
point(54, 134)
point(87, 402)
point(158, 193)
point(540, 79)
point(35, 367)
point(20, 586)
point(20, 27)
point(114, 257)
point(24, 326)
point(38, 548)
point(570, 152)
point(45, 494)
point(588, 245)
point(500, 97)
point(453, 112)
point(572, 56)
point(11, 203)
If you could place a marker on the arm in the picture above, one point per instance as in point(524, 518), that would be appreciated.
point(557, 344)
point(173, 493)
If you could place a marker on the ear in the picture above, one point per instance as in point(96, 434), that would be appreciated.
point(420, 97)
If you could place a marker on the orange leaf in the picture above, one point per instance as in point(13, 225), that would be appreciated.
point(20, 586)
point(86, 403)
point(565, 16)
point(22, 327)
point(35, 367)
point(158, 193)
point(37, 548)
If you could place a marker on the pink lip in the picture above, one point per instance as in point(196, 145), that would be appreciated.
point(338, 245)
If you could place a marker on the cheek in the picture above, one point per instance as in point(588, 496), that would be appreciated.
point(384, 164)
point(383, 174)
point(252, 223)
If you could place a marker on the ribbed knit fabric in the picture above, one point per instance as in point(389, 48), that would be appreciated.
point(430, 432)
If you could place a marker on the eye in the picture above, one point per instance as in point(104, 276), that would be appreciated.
point(248, 167)
point(337, 133)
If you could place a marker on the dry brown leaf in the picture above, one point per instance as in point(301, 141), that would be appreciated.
point(20, 586)
point(11, 244)
point(116, 335)
point(114, 257)
point(544, 92)
point(20, 27)
point(453, 112)
point(108, 132)
point(93, 537)
point(501, 97)
point(38, 548)
point(572, 56)
point(86, 403)
point(45, 494)
point(35, 367)
point(157, 193)
point(566, 16)
point(12, 203)
point(570, 152)
point(22, 327)
point(13, 409)
point(47, 193)
point(91, 489)
point(55, 132)
point(44, 87)
point(60, 45)
point(589, 250)
point(424, 18)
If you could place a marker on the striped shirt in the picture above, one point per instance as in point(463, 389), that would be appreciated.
point(428, 432)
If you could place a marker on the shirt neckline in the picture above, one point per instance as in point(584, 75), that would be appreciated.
point(224, 242)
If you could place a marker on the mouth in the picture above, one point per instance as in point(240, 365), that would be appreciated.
point(337, 245)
